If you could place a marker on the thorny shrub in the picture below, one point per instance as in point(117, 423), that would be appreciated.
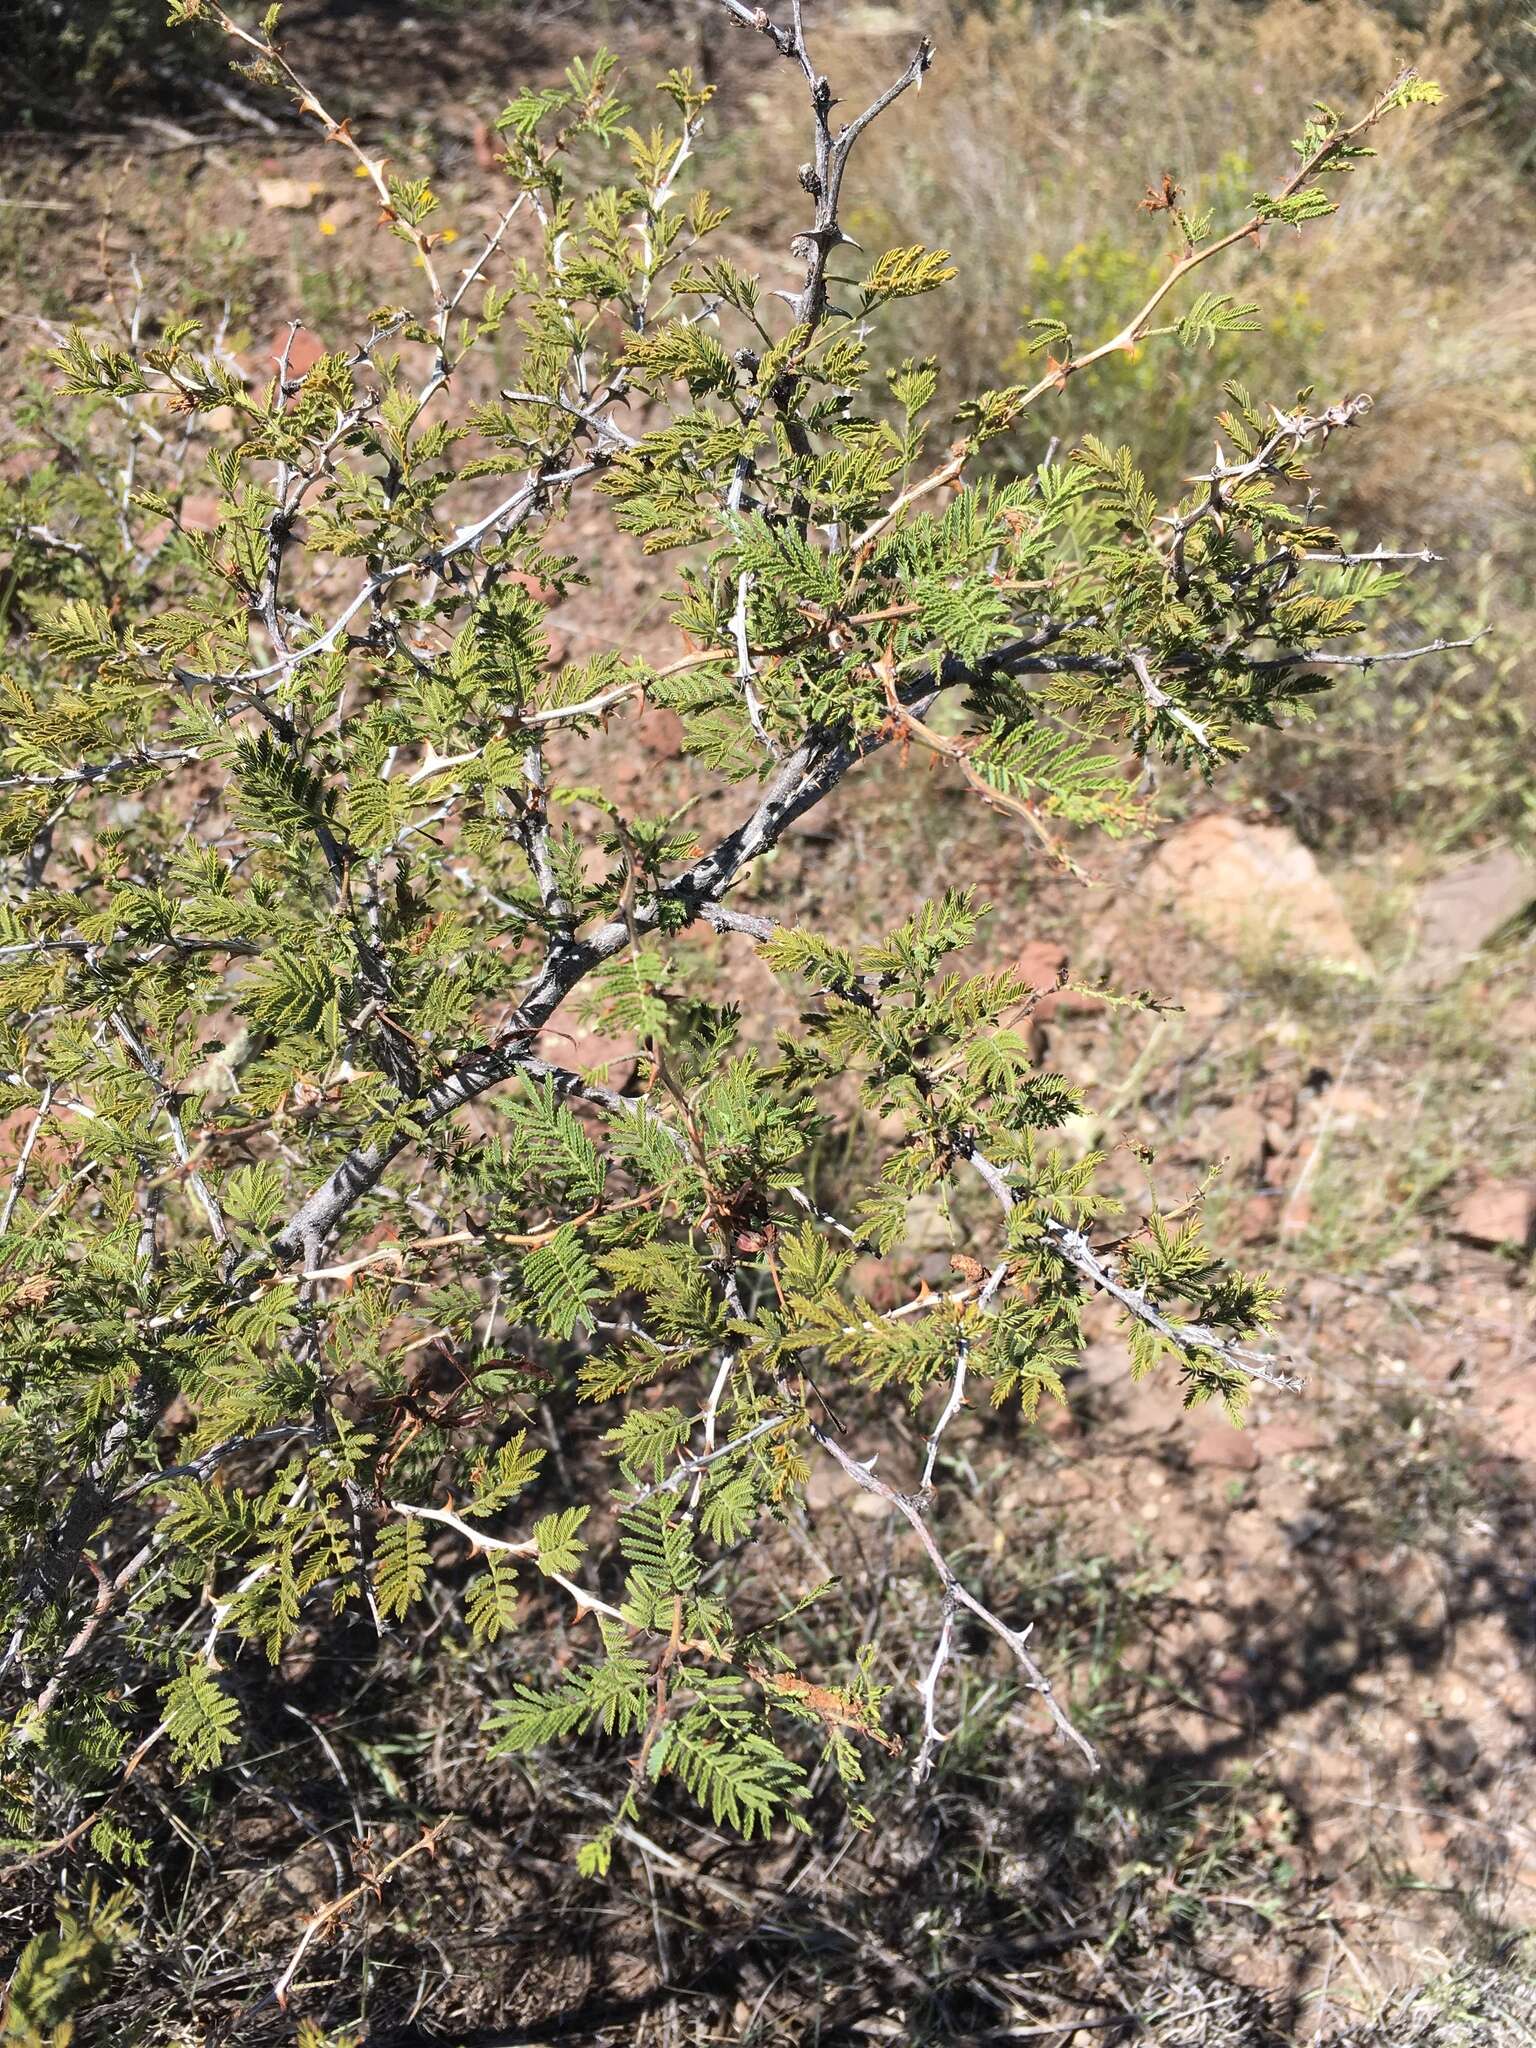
point(305, 849)
point(1026, 156)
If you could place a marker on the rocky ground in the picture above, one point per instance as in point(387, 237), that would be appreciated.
point(1311, 1639)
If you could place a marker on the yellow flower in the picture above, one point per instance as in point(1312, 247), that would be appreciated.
point(327, 227)
point(449, 235)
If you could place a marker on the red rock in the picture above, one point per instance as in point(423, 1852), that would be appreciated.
point(1345, 1106)
point(1297, 1215)
point(261, 363)
point(287, 195)
point(1439, 1365)
point(200, 512)
point(1221, 1448)
point(1259, 1219)
point(879, 1283)
point(830, 1489)
point(1066, 1487)
point(1056, 1421)
point(589, 1050)
point(1500, 1212)
point(1251, 887)
point(660, 732)
point(1042, 963)
point(1147, 1407)
point(1203, 1005)
point(1510, 1402)
point(178, 1415)
point(1238, 1136)
point(1288, 1439)
point(304, 352)
point(1277, 1099)
point(1461, 911)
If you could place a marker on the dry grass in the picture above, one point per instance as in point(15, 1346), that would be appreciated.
point(1035, 138)
point(1032, 140)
